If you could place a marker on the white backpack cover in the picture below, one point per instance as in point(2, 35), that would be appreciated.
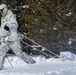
point(67, 55)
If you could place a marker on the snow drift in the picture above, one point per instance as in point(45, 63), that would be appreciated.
point(51, 66)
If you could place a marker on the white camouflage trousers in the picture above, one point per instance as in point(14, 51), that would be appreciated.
point(16, 47)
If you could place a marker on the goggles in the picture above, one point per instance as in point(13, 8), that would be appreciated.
point(2, 9)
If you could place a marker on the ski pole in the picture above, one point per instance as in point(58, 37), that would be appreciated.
point(9, 62)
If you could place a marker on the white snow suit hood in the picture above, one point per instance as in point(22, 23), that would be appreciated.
point(10, 21)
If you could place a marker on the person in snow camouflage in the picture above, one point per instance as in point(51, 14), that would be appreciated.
point(9, 37)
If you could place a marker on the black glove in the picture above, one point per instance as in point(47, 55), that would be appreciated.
point(6, 28)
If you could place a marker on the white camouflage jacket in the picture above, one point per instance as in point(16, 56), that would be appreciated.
point(11, 22)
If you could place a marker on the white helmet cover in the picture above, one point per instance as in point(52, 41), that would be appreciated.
point(4, 8)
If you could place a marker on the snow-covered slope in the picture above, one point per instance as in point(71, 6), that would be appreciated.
point(52, 66)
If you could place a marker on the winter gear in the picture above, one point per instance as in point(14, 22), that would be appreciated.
point(2, 6)
point(6, 39)
point(11, 39)
point(67, 55)
point(2, 40)
point(3, 9)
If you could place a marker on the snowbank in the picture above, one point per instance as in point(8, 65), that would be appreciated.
point(52, 66)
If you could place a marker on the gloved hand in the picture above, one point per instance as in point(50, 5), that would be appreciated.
point(2, 40)
point(6, 39)
point(6, 28)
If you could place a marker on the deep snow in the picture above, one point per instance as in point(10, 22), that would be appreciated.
point(51, 66)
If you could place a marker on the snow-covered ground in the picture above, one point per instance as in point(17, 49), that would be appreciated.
point(52, 66)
